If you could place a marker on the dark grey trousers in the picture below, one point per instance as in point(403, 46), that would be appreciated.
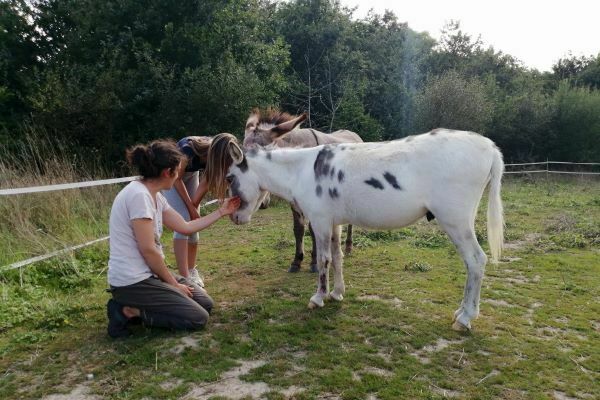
point(161, 305)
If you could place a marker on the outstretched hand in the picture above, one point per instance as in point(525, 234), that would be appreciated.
point(230, 205)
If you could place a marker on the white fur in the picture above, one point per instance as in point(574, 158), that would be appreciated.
point(444, 172)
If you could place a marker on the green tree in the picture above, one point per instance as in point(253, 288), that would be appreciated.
point(395, 57)
point(454, 102)
point(580, 71)
point(590, 75)
point(577, 124)
point(119, 72)
point(570, 67)
point(18, 63)
point(327, 67)
point(522, 119)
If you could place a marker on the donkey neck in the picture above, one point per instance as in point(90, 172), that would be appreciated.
point(280, 170)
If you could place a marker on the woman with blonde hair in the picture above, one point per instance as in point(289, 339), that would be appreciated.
point(218, 162)
point(185, 197)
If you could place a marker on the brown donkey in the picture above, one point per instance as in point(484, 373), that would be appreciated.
point(280, 129)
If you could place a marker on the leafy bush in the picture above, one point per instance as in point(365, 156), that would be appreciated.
point(452, 101)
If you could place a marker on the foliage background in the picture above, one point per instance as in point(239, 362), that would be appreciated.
point(103, 75)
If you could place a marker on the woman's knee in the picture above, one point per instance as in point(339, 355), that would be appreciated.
point(197, 320)
point(207, 304)
point(202, 298)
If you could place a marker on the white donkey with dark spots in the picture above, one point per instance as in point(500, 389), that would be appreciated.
point(440, 174)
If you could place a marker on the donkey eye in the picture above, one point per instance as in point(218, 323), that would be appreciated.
point(229, 178)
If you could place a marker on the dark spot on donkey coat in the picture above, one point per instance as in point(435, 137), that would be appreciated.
point(333, 193)
point(319, 190)
point(243, 166)
point(375, 183)
point(391, 179)
point(322, 165)
point(235, 191)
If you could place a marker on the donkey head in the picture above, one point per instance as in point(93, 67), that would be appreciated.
point(244, 182)
point(262, 128)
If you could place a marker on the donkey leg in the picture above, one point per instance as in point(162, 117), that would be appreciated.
point(313, 253)
point(299, 236)
point(348, 249)
point(474, 259)
point(337, 259)
point(323, 239)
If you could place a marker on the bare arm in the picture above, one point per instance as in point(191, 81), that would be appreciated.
point(185, 196)
point(174, 221)
point(202, 190)
point(143, 230)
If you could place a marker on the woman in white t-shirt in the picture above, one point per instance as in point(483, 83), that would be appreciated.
point(142, 286)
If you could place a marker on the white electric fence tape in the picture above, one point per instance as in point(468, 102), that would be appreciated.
point(49, 255)
point(551, 172)
point(553, 162)
point(548, 170)
point(63, 186)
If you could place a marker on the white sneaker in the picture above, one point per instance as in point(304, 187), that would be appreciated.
point(195, 277)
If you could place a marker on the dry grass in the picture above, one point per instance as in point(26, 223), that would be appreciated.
point(34, 224)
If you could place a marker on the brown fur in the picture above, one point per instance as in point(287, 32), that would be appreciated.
point(282, 129)
point(272, 116)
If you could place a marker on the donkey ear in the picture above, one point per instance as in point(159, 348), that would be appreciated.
point(285, 127)
point(236, 153)
point(252, 122)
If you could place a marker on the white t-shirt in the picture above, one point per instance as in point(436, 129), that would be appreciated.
point(126, 265)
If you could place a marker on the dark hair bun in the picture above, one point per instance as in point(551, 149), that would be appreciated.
point(150, 160)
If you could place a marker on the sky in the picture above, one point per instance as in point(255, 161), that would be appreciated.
point(537, 32)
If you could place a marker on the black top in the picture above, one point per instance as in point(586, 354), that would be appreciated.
point(194, 162)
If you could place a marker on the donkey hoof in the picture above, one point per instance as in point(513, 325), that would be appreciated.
point(457, 326)
point(312, 306)
point(314, 268)
point(294, 268)
point(315, 301)
point(348, 250)
point(336, 296)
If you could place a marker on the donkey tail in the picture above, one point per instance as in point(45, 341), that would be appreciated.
point(495, 217)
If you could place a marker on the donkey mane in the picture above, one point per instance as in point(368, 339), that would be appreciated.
point(272, 116)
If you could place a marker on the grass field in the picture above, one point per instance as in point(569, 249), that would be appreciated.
point(538, 335)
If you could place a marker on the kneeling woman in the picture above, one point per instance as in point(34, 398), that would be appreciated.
point(141, 284)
